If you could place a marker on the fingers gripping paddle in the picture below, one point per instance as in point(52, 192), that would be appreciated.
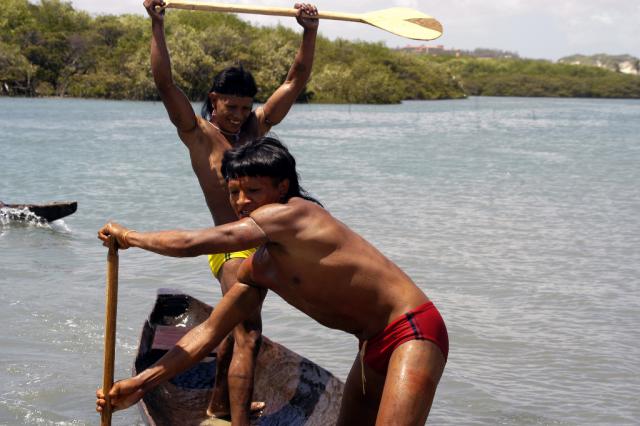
point(401, 21)
point(110, 327)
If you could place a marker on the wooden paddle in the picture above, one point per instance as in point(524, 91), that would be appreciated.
point(401, 21)
point(110, 327)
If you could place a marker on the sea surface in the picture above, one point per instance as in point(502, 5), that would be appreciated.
point(520, 218)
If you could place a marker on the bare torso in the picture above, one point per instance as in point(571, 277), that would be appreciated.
point(206, 147)
point(327, 271)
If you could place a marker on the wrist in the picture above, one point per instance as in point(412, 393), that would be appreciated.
point(125, 235)
point(149, 378)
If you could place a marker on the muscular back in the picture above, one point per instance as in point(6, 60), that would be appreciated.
point(317, 264)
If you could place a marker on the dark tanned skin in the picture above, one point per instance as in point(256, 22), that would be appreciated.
point(320, 266)
point(207, 143)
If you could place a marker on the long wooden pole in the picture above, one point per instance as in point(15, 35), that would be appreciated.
point(259, 10)
point(110, 327)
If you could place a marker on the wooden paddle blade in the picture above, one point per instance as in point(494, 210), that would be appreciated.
point(405, 22)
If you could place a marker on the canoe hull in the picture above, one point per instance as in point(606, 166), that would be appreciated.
point(296, 391)
point(48, 212)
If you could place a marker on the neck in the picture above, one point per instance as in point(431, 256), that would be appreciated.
point(231, 136)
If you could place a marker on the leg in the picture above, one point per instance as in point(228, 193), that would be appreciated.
point(358, 408)
point(219, 403)
point(233, 389)
point(248, 337)
point(414, 371)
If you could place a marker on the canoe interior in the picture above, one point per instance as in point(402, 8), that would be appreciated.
point(296, 391)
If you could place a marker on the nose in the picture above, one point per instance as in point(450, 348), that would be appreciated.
point(243, 199)
point(236, 113)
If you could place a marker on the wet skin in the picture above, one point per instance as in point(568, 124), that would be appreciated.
point(318, 265)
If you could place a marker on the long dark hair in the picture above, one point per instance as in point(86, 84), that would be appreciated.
point(235, 81)
point(265, 156)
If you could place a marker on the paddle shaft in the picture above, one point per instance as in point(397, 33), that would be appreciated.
point(259, 10)
point(110, 327)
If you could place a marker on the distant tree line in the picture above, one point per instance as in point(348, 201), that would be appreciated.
point(51, 49)
point(528, 77)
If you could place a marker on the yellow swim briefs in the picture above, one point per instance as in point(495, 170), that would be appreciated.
point(217, 260)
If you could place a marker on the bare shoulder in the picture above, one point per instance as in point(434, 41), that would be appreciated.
point(257, 114)
point(204, 136)
point(262, 123)
point(282, 218)
point(276, 212)
point(196, 134)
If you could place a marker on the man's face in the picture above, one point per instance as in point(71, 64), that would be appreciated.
point(231, 111)
point(248, 193)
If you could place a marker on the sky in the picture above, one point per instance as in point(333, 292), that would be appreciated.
point(544, 29)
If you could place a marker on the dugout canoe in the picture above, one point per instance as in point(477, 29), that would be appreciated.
point(48, 212)
point(296, 391)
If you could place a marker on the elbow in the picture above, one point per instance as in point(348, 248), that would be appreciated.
point(187, 246)
point(299, 76)
point(190, 251)
point(164, 85)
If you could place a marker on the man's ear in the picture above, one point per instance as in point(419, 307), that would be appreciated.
point(283, 188)
point(213, 97)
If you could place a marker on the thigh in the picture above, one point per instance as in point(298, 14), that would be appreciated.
point(228, 275)
point(358, 407)
point(414, 371)
point(251, 328)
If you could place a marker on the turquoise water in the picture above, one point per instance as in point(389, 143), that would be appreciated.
point(520, 218)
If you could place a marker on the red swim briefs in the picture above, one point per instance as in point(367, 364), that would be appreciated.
point(421, 323)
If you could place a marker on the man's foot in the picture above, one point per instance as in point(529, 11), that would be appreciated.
point(255, 410)
point(257, 407)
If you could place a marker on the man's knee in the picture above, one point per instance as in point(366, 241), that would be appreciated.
point(248, 341)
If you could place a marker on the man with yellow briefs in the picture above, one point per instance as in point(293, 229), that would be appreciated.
point(228, 120)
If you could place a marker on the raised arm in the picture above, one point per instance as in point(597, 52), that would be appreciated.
point(280, 102)
point(175, 101)
point(235, 306)
point(240, 235)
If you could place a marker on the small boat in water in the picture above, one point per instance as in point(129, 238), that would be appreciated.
point(296, 391)
point(47, 212)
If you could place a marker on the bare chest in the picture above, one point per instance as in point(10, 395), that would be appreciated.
point(274, 271)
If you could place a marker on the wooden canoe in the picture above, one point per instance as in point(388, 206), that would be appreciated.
point(48, 212)
point(296, 391)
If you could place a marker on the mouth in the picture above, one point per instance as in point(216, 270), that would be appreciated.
point(244, 213)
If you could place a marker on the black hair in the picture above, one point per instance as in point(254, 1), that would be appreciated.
point(234, 81)
point(265, 156)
